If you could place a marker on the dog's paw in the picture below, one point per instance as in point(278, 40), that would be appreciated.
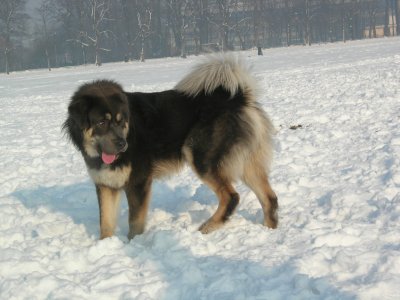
point(209, 226)
point(106, 233)
point(271, 222)
point(135, 230)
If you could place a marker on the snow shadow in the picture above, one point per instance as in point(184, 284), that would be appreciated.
point(79, 202)
point(185, 275)
point(185, 268)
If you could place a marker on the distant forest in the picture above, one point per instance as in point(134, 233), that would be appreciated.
point(76, 32)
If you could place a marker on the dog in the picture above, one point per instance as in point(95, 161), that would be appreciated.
point(210, 120)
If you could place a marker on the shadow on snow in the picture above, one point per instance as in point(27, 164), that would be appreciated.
point(185, 275)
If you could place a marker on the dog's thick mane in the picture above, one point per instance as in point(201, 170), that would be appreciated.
point(226, 70)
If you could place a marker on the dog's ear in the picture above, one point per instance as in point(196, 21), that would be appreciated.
point(79, 109)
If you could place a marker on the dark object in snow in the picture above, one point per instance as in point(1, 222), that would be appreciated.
point(294, 127)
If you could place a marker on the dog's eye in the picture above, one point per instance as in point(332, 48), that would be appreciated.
point(101, 123)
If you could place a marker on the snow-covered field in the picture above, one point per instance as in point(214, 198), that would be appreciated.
point(337, 178)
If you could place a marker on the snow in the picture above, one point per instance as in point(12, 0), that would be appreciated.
point(337, 178)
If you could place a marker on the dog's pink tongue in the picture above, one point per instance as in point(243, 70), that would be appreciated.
point(108, 158)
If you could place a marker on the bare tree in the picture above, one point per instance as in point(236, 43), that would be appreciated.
point(187, 15)
point(201, 23)
point(224, 21)
point(11, 20)
point(287, 19)
point(98, 10)
point(130, 26)
point(105, 30)
point(310, 11)
point(307, 22)
point(371, 9)
point(391, 18)
point(242, 11)
point(386, 27)
point(46, 13)
point(73, 21)
point(144, 24)
point(181, 15)
point(397, 16)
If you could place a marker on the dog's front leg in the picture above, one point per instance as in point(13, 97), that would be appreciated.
point(108, 206)
point(138, 195)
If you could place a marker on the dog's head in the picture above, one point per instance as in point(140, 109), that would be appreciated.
point(98, 121)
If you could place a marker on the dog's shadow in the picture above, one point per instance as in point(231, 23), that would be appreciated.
point(79, 202)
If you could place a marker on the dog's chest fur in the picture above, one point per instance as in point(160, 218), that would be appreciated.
point(116, 178)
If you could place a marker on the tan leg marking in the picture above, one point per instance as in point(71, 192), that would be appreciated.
point(109, 205)
point(228, 200)
point(256, 178)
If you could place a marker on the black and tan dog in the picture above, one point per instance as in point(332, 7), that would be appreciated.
point(210, 120)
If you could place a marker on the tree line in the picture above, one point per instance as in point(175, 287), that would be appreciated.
point(53, 33)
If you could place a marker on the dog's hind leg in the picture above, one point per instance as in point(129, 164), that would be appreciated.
point(256, 178)
point(108, 206)
point(228, 200)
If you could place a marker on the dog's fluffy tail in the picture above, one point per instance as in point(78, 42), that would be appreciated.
point(218, 70)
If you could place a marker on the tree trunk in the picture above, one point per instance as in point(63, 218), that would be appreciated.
point(386, 27)
point(7, 61)
point(397, 14)
point(308, 24)
point(343, 23)
point(96, 56)
point(183, 36)
point(183, 44)
point(203, 27)
point(288, 34)
point(142, 56)
point(224, 39)
point(197, 40)
point(83, 54)
point(393, 17)
point(371, 17)
point(48, 59)
point(97, 53)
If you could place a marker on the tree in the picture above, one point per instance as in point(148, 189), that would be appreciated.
point(12, 24)
point(307, 22)
point(144, 25)
point(82, 31)
point(397, 15)
point(372, 9)
point(386, 26)
point(242, 11)
point(223, 18)
point(222, 21)
point(201, 24)
point(98, 10)
point(73, 27)
point(46, 13)
point(181, 15)
point(287, 19)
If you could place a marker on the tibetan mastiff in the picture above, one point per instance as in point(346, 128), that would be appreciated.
point(210, 121)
